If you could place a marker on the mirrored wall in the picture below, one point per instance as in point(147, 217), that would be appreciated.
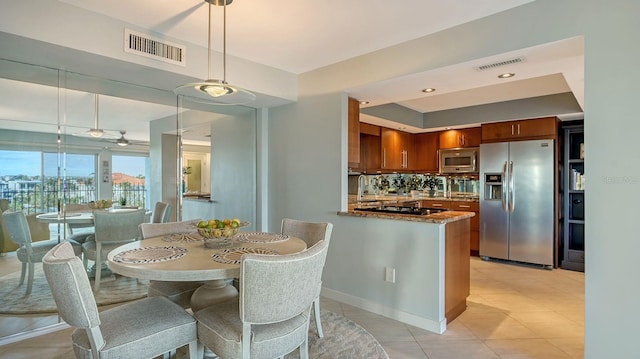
point(152, 147)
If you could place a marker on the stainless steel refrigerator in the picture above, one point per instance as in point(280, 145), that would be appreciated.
point(517, 201)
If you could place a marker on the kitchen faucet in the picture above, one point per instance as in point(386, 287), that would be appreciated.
point(362, 181)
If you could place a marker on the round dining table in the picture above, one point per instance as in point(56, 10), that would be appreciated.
point(78, 217)
point(184, 257)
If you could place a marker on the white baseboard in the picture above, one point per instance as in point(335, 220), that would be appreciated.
point(33, 333)
point(434, 326)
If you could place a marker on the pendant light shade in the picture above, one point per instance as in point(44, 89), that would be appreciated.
point(213, 91)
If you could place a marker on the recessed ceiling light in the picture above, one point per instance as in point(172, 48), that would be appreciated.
point(506, 75)
point(364, 102)
point(428, 90)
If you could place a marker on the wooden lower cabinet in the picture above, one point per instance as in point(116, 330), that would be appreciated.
point(457, 268)
point(463, 206)
point(471, 206)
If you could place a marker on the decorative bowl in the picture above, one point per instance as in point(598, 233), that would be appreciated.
point(100, 204)
point(220, 237)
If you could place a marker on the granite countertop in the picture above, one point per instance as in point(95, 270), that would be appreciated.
point(440, 218)
point(197, 196)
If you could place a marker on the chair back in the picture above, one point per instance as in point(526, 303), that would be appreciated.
point(71, 290)
point(4, 204)
point(310, 232)
point(18, 228)
point(161, 212)
point(274, 288)
point(117, 226)
point(148, 230)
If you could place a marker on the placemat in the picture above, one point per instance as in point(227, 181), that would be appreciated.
point(261, 237)
point(183, 237)
point(233, 255)
point(150, 255)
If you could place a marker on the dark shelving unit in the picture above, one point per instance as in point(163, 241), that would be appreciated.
point(574, 198)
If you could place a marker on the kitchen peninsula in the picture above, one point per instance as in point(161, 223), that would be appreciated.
point(424, 257)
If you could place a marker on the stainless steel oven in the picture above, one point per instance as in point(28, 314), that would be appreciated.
point(459, 160)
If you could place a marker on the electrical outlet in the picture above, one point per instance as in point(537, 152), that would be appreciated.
point(390, 274)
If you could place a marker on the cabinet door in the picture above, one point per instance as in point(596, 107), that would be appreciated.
point(534, 129)
point(426, 151)
point(354, 133)
point(397, 147)
point(542, 127)
point(497, 131)
point(388, 157)
point(466, 137)
point(370, 153)
point(407, 149)
point(450, 139)
point(474, 229)
point(471, 137)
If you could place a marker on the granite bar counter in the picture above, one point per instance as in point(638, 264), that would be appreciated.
point(428, 253)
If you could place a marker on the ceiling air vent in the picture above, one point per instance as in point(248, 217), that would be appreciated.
point(500, 63)
point(154, 48)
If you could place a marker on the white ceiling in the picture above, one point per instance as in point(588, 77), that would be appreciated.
point(288, 34)
point(302, 35)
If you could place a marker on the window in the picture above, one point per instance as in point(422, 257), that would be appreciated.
point(129, 180)
point(34, 181)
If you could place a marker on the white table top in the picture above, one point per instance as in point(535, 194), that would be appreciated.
point(196, 265)
point(76, 217)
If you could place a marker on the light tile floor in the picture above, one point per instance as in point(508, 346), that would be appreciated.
point(514, 312)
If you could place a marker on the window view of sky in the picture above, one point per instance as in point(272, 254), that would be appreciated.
point(29, 163)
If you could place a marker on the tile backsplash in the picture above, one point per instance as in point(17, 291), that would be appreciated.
point(402, 183)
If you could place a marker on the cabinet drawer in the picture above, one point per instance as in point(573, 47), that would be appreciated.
point(465, 206)
point(427, 203)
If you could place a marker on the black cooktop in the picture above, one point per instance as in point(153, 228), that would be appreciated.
point(403, 210)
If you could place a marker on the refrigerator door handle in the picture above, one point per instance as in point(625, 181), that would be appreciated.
point(504, 187)
point(511, 189)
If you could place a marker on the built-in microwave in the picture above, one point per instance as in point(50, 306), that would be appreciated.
point(459, 160)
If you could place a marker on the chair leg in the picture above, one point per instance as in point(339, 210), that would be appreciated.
point(316, 311)
point(194, 350)
point(24, 271)
point(304, 348)
point(30, 280)
point(96, 285)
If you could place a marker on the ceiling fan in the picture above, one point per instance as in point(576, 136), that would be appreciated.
point(96, 131)
point(123, 141)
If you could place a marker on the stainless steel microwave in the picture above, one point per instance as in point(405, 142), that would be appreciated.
point(459, 160)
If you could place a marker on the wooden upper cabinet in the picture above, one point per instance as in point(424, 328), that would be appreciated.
point(534, 129)
point(397, 150)
point(426, 149)
point(369, 129)
point(466, 137)
point(369, 148)
point(354, 133)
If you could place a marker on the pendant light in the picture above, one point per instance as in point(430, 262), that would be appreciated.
point(218, 92)
point(96, 131)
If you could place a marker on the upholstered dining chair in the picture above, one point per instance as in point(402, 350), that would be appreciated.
point(161, 212)
point(311, 233)
point(178, 292)
point(112, 229)
point(29, 252)
point(146, 328)
point(272, 316)
point(78, 232)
